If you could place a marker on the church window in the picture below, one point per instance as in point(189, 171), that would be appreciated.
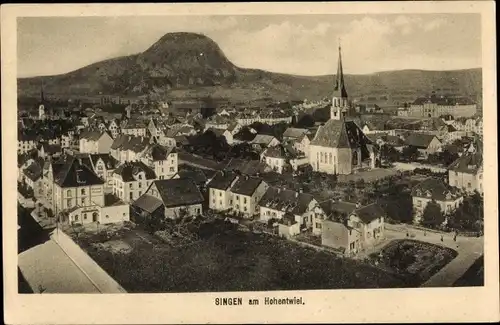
point(355, 158)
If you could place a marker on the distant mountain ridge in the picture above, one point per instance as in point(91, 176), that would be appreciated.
point(181, 65)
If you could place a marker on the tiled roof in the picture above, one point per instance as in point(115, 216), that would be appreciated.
point(467, 163)
point(33, 171)
point(91, 135)
point(178, 192)
point(435, 189)
point(135, 124)
point(295, 133)
point(286, 200)
point(129, 170)
point(248, 167)
point(73, 173)
point(419, 140)
point(333, 209)
point(112, 200)
point(148, 203)
point(339, 134)
point(195, 174)
point(159, 152)
point(222, 180)
point(109, 161)
point(262, 139)
point(246, 185)
point(369, 212)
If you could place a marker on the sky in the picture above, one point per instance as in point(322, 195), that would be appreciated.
point(295, 44)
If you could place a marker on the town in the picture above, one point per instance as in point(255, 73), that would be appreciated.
point(153, 190)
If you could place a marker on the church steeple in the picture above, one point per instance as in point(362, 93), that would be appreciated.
point(339, 96)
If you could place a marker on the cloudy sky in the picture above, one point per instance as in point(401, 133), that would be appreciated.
point(297, 44)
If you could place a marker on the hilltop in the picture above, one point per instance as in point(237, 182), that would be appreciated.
point(189, 65)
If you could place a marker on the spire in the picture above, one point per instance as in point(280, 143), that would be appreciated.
point(42, 99)
point(339, 90)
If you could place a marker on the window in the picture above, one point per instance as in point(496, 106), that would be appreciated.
point(172, 169)
point(85, 216)
point(162, 170)
point(197, 210)
point(140, 176)
point(350, 232)
point(140, 184)
point(131, 185)
point(131, 195)
point(140, 193)
point(220, 193)
point(220, 202)
point(330, 157)
point(419, 203)
point(172, 162)
point(237, 198)
point(321, 159)
point(245, 209)
point(76, 217)
point(68, 193)
point(68, 203)
point(245, 200)
point(469, 185)
point(83, 201)
point(124, 214)
point(318, 225)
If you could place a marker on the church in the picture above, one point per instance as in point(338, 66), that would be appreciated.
point(339, 146)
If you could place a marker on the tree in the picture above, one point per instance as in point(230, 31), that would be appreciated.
point(389, 153)
point(432, 216)
point(305, 121)
point(409, 153)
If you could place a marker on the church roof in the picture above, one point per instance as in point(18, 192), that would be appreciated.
point(339, 134)
point(339, 90)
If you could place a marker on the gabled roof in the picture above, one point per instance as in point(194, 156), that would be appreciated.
point(246, 185)
point(222, 180)
point(195, 174)
point(129, 170)
point(248, 167)
point(178, 192)
point(369, 212)
point(436, 189)
point(73, 173)
point(109, 161)
point(262, 139)
point(134, 124)
point(33, 171)
point(148, 203)
point(295, 133)
point(467, 163)
point(419, 140)
point(334, 209)
point(339, 134)
point(159, 152)
point(90, 135)
point(286, 200)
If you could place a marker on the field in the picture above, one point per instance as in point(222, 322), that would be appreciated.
point(225, 259)
point(412, 260)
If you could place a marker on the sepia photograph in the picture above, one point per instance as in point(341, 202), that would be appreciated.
point(267, 152)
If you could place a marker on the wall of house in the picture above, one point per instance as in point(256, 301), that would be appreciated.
point(165, 169)
point(277, 164)
point(334, 235)
point(219, 200)
point(288, 231)
point(419, 204)
point(466, 181)
point(268, 213)
point(192, 210)
point(65, 198)
point(115, 213)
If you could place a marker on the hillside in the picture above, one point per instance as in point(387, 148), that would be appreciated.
point(188, 65)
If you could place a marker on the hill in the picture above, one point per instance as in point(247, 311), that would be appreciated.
point(188, 65)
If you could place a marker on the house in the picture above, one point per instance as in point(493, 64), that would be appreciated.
point(32, 176)
point(222, 133)
point(134, 127)
point(173, 198)
point(25, 142)
point(112, 211)
point(95, 142)
point(75, 184)
point(349, 227)
point(288, 226)
point(247, 167)
point(162, 159)
point(103, 166)
point(432, 189)
point(67, 141)
point(113, 128)
point(220, 198)
point(129, 148)
point(131, 180)
point(277, 202)
point(245, 195)
point(372, 127)
point(299, 138)
point(234, 127)
point(217, 122)
point(46, 150)
point(425, 143)
point(262, 141)
point(197, 175)
point(467, 172)
point(278, 158)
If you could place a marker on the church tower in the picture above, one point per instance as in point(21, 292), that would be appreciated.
point(340, 104)
point(41, 107)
